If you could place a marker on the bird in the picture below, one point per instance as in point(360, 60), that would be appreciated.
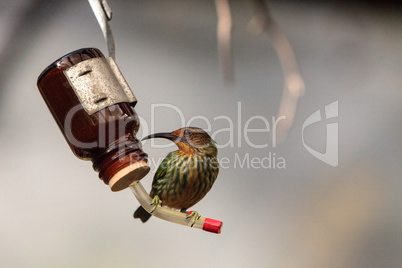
point(184, 176)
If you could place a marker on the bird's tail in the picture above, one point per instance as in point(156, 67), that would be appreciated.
point(142, 214)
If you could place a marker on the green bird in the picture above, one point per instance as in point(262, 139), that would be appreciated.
point(185, 176)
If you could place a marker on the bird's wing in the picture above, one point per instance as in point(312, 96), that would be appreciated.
point(161, 171)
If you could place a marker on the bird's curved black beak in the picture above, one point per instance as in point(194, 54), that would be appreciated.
point(164, 135)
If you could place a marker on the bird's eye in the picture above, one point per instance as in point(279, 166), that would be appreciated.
point(187, 132)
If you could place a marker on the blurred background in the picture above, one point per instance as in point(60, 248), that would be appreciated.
point(55, 212)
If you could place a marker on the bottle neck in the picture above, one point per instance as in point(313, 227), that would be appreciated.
point(122, 153)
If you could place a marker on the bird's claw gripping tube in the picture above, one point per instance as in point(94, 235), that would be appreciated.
point(206, 224)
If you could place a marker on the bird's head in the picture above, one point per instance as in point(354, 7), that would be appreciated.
point(189, 140)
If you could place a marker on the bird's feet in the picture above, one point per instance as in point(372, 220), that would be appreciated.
point(155, 202)
point(194, 215)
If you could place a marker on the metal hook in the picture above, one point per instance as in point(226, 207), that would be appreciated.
point(103, 14)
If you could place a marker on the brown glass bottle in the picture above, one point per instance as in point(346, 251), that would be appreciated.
point(96, 115)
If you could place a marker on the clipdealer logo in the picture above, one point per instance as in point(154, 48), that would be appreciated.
point(330, 156)
point(237, 133)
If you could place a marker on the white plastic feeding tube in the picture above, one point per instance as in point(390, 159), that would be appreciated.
point(206, 224)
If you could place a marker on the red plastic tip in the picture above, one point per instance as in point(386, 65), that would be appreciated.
point(213, 226)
